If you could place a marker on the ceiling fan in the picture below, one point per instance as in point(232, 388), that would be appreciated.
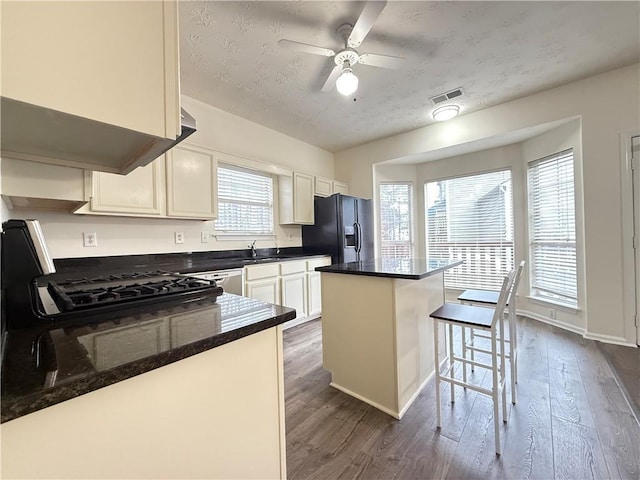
point(342, 75)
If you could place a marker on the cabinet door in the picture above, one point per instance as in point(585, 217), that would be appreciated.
point(339, 187)
point(314, 298)
point(314, 292)
point(139, 192)
point(114, 62)
point(294, 293)
point(323, 187)
point(191, 183)
point(302, 198)
point(267, 290)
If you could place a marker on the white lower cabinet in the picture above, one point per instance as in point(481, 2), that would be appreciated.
point(262, 282)
point(294, 284)
point(314, 292)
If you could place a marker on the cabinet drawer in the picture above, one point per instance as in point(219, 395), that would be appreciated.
point(317, 262)
point(292, 267)
point(256, 272)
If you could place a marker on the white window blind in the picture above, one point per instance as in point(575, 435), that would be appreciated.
point(396, 220)
point(245, 201)
point(552, 228)
point(471, 218)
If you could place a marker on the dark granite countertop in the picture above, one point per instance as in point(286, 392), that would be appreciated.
point(42, 367)
point(403, 268)
point(185, 263)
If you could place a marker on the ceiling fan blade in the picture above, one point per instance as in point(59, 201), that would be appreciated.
point(383, 61)
point(368, 17)
point(304, 47)
point(331, 81)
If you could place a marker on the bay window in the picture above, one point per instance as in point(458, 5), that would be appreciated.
point(552, 228)
point(470, 218)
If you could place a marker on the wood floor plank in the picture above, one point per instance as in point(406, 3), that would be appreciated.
point(567, 392)
point(577, 452)
point(528, 444)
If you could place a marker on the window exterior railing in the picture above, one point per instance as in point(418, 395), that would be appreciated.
point(484, 264)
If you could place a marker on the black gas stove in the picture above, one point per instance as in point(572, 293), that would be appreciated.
point(34, 295)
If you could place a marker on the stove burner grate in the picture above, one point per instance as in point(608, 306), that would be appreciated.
point(85, 293)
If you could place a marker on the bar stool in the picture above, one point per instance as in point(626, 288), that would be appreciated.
point(490, 298)
point(490, 320)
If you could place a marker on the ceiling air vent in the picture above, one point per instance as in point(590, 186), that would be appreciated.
point(444, 97)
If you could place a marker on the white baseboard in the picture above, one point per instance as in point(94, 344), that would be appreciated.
point(579, 330)
point(386, 410)
point(552, 321)
point(609, 339)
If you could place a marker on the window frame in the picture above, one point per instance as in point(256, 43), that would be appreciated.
point(243, 234)
point(510, 245)
point(536, 292)
point(411, 243)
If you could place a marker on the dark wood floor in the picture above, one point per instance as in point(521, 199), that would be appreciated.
point(571, 420)
point(625, 364)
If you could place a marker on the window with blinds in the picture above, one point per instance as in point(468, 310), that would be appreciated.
point(396, 220)
point(470, 218)
point(552, 228)
point(245, 201)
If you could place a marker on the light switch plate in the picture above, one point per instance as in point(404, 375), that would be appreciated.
point(204, 237)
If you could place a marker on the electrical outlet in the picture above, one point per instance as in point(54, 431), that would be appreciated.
point(90, 239)
point(179, 236)
point(204, 237)
point(552, 313)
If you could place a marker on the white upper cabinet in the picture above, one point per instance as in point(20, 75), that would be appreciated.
point(295, 194)
point(192, 183)
point(185, 188)
point(89, 84)
point(141, 192)
point(339, 187)
point(325, 187)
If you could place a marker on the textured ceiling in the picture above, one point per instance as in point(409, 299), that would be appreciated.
point(495, 51)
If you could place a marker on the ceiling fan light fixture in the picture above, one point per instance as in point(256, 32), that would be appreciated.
point(446, 112)
point(347, 82)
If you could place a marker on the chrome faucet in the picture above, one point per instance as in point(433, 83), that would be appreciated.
point(253, 249)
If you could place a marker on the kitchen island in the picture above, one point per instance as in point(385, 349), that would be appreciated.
point(193, 390)
point(377, 337)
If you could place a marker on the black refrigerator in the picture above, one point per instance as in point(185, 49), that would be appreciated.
point(343, 228)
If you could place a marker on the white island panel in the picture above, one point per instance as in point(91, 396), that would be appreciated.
point(378, 336)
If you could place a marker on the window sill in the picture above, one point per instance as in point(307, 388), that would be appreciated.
point(549, 302)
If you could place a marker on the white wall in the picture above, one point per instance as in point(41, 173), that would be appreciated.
point(217, 130)
point(608, 106)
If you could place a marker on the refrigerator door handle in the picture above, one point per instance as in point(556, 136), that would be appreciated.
point(358, 229)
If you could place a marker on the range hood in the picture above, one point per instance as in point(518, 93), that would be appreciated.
point(35, 133)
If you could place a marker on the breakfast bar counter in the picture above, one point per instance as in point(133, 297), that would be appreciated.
point(178, 391)
point(377, 337)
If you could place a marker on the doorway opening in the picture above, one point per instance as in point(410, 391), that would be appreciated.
point(630, 179)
